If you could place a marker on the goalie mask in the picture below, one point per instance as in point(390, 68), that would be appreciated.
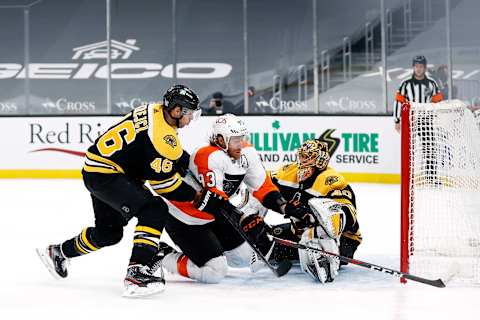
point(312, 154)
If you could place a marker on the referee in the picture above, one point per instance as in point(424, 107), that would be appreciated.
point(418, 88)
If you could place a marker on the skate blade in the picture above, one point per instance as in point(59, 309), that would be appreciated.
point(43, 255)
point(134, 291)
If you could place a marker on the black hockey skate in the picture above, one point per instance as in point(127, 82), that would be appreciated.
point(156, 263)
point(140, 282)
point(53, 258)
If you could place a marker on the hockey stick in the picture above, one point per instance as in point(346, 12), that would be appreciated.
point(436, 283)
point(281, 268)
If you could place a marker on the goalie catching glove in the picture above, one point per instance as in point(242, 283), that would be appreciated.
point(300, 215)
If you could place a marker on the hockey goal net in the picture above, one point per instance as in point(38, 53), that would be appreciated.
point(440, 235)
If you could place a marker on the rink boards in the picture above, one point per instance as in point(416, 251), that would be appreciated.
point(365, 149)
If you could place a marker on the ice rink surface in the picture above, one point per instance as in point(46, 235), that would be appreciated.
point(39, 212)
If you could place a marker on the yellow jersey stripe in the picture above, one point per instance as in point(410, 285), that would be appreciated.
point(99, 170)
point(97, 158)
point(169, 189)
point(353, 236)
point(155, 183)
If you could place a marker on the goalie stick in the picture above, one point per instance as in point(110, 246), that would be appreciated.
point(281, 268)
point(436, 283)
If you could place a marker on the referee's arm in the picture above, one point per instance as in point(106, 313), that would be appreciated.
point(400, 99)
point(437, 95)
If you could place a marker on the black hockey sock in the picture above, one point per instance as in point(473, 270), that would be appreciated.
point(79, 245)
point(145, 244)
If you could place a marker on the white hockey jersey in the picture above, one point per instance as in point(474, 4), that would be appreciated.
point(216, 170)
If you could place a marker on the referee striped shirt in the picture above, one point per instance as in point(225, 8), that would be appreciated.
point(413, 90)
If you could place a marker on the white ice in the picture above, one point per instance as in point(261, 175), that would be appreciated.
point(39, 212)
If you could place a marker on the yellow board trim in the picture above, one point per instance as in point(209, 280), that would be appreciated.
point(147, 229)
point(75, 174)
point(40, 174)
point(390, 178)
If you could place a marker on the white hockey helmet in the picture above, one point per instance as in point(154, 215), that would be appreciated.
point(228, 126)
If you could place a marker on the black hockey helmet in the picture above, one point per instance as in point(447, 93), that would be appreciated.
point(182, 96)
point(420, 60)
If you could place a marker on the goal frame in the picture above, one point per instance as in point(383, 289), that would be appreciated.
point(405, 190)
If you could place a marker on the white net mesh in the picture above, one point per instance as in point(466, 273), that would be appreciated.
point(444, 192)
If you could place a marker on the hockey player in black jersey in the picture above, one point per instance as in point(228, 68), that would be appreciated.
point(142, 146)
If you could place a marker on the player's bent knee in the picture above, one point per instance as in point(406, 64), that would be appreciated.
point(239, 257)
point(153, 214)
point(214, 270)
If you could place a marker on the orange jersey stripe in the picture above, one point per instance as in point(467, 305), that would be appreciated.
point(188, 208)
point(265, 188)
point(182, 265)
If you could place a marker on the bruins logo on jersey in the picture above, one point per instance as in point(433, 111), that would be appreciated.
point(331, 180)
point(170, 140)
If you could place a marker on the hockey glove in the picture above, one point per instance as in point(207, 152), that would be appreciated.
point(210, 201)
point(300, 215)
point(256, 230)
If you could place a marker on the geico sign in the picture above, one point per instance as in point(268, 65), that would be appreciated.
point(186, 70)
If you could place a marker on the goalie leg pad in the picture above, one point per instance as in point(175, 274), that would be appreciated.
point(319, 267)
point(329, 215)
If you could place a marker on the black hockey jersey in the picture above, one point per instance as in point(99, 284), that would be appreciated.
point(326, 184)
point(141, 145)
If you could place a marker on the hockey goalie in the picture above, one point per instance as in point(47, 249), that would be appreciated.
point(331, 220)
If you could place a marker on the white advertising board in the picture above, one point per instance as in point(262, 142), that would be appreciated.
point(361, 145)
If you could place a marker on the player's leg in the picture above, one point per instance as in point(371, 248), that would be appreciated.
point(202, 256)
point(285, 231)
point(108, 230)
point(130, 199)
point(116, 199)
point(236, 250)
point(351, 236)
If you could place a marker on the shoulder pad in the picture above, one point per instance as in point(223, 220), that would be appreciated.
point(287, 174)
point(327, 181)
point(163, 136)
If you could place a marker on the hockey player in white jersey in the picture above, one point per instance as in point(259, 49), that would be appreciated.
point(208, 243)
